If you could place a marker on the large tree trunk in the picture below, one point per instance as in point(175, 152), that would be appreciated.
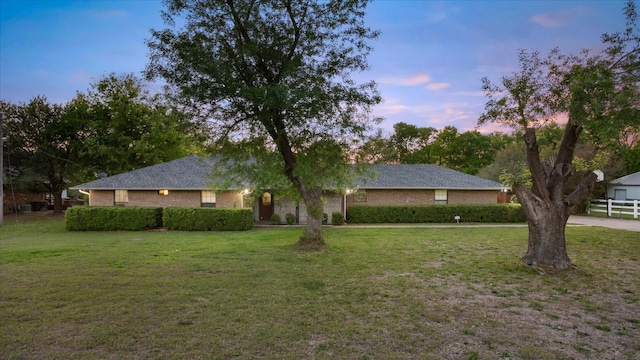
point(545, 204)
point(312, 236)
point(312, 197)
point(547, 245)
point(57, 202)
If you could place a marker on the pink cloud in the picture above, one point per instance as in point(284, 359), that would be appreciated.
point(558, 18)
point(438, 86)
point(408, 81)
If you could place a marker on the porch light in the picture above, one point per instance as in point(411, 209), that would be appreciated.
point(163, 192)
point(246, 192)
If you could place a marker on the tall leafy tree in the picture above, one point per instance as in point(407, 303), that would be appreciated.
point(412, 144)
point(273, 80)
point(598, 94)
point(41, 147)
point(467, 152)
point(126, 127)
point(375, 149)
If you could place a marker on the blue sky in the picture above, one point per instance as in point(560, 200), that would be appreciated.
point(428, 62)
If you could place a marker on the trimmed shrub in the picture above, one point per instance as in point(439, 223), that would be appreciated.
point(290, 219)
point(275, 219)
point(111, 218)
point(325, 218)
point(207, 219)
point(337, 218)
point(489, 213)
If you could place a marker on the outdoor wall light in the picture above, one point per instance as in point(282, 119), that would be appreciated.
point(163, 192)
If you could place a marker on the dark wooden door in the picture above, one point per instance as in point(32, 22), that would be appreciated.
point(266, 206)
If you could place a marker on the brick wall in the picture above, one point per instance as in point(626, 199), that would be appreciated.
point(175, 198)
point(391, 197)
point(179, 198)
point(101, 197)
point(473, 196)
point(284, 206)
point(230, 199)
point(419, 197)
point(333, 202)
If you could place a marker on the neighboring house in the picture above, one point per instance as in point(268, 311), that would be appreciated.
point(186, 182)
point(625, 188)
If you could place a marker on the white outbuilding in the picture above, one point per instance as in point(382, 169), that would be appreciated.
point(625, 188)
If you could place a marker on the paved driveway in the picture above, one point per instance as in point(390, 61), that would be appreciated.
point(631, 225)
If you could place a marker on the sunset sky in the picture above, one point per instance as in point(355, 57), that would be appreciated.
point(428, 63)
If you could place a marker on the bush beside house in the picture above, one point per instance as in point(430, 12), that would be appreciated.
point(131, 218)
point(337, 218)
point(109, 218)
point(208, 219)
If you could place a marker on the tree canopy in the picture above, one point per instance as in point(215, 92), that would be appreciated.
point(273, 80)
point(113, 128)
point(597, 95)
point(42, 147)
point(126, 127)
point(467, 152)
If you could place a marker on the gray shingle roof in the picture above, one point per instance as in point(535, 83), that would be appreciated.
point(188, 173)
point(424, 176)
point(195, 173)
point(631, 179)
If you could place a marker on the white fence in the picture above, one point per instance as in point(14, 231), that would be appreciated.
point(614, 207)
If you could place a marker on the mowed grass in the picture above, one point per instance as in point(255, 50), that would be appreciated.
point(424, 293)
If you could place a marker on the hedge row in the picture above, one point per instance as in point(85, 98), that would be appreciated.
point(108, 218)
point(491, 213)
point(208, 219)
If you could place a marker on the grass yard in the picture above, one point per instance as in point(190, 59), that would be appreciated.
point(429, 293)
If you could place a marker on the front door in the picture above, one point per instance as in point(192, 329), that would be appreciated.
point(266, 206)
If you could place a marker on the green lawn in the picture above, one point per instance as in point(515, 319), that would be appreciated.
point(458, 293)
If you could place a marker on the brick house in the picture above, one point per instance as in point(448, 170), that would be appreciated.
point(423, 184)
point(186, 182)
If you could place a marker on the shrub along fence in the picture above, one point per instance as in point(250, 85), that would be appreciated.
point(491, 213)
point(109, 218)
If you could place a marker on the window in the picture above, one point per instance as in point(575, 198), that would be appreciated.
point(441, 197)
point(121, 197)
point(208, 198)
